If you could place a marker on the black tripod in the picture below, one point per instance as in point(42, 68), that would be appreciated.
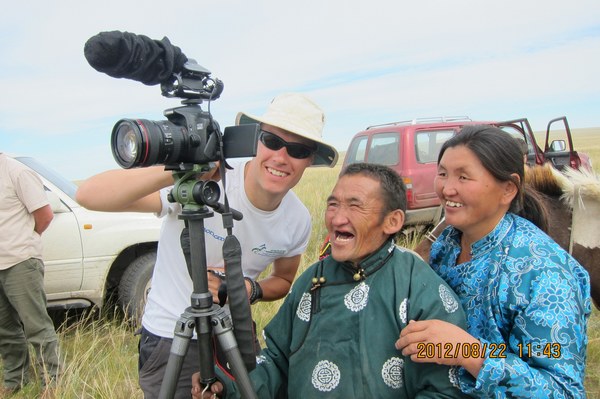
point(203, 316)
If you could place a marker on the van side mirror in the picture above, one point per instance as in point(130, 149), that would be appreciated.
point(558, 146)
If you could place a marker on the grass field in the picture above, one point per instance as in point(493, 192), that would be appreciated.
point(100, 353)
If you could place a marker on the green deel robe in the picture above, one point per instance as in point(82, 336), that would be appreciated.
point(337, 339)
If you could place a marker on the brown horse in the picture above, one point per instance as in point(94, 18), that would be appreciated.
point(572, 205)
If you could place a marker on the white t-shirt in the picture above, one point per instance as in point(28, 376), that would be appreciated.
point(264, 237)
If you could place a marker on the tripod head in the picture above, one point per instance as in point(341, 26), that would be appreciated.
point(194, 195)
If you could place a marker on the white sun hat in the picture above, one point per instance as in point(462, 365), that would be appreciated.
point(296, 113)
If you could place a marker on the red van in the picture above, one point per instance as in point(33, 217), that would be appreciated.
point(411, 148)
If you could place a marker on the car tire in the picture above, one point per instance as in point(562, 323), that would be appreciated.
point(135, 285)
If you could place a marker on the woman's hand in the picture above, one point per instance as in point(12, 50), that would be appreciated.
point(436, 341)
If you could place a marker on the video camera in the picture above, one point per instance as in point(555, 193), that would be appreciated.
point(189, 135)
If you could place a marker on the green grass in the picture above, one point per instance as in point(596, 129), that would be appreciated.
point(100, 353)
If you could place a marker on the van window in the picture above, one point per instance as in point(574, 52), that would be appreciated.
point(357, 150)
point(520, 136)
point(384, 149)
point(429, 143)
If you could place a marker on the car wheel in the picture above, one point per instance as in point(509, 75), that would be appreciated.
point(135, 285)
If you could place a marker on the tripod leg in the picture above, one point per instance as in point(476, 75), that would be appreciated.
point(223, 329)
point(181, 342)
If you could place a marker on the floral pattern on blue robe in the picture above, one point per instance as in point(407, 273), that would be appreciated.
point(528, 301)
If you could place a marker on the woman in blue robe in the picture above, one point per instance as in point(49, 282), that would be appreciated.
point(527, 300)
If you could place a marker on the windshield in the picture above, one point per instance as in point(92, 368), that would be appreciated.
point(59, 181)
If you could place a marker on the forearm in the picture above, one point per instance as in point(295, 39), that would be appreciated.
point(42, 216)
point(273, 288)
point(278, 283)
point(124, 189)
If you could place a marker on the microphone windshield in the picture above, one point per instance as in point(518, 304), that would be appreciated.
point(131, 56)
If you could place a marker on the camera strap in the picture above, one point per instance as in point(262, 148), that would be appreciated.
point(238, 302)
point(239, 305)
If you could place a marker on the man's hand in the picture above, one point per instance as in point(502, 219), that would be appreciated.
point(215, 279)
point(200, 392)
point(214, 173)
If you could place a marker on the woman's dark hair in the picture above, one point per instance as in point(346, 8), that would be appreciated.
point(501, 155)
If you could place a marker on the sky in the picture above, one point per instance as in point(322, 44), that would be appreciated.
point(363, 62)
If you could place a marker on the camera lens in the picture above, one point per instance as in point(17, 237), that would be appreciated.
point(139, 143)
point(126, 144)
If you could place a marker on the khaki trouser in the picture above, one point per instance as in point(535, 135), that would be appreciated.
point(23, 319)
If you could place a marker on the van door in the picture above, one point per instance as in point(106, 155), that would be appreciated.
point(558, 147)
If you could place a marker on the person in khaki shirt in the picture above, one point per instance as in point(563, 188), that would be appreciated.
point(24, 215)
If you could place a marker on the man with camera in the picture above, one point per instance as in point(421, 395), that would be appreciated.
point(275, 227)
point(335, 333)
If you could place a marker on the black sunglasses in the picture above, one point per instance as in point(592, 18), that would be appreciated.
point(294, 150)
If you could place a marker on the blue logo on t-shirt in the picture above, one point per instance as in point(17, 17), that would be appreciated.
point(213, 234)
point(263, 251)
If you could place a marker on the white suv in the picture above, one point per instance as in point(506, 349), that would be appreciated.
point(90, 256)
